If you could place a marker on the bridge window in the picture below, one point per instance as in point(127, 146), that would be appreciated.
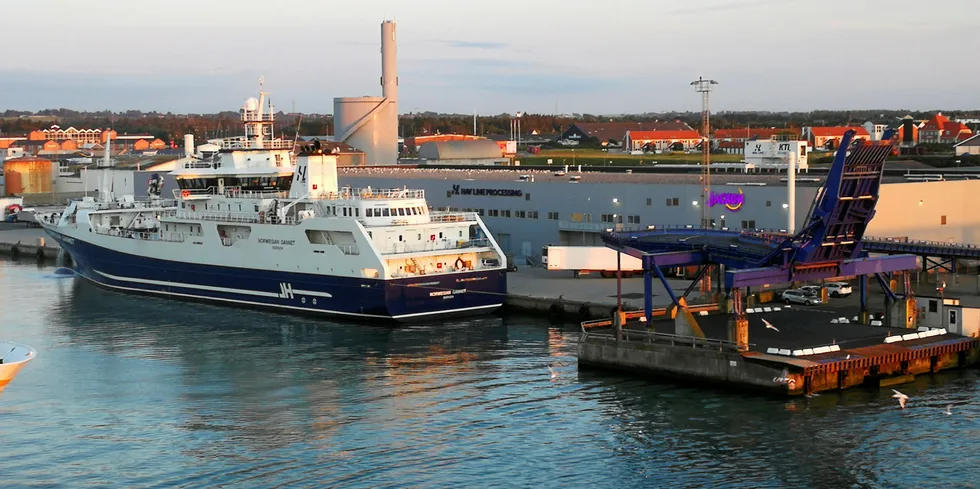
point(369, 213)
point(553, 216)
point(386, 212)
point(768, 203)
point(649, 201)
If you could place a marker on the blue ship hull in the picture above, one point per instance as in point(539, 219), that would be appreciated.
point(402, 299)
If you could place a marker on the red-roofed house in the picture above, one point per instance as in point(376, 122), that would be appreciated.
point(741, 135)
point(677, 140)
point(941, 130)
point(829, 137)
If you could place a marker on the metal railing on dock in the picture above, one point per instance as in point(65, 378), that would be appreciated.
point(657, 312)
point(651, 337)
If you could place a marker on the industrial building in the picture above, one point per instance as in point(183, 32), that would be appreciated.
point(470, 152)
point(528, 214)
point(370, 124)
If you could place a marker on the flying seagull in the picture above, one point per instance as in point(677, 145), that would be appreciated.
point(949, 410)
point(902, 398)
point(769, 325)
point(554, 375)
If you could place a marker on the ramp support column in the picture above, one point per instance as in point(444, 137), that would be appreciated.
point(739, 324)
point(863, 291)
point(648, 296)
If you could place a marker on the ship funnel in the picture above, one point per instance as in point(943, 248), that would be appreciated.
point(189, 145)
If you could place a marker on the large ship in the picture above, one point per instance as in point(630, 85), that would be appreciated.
point(261, 222)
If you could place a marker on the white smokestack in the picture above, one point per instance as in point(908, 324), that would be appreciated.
point(389, 67)
point(189, 145)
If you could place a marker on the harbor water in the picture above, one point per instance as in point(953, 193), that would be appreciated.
point(133, 391)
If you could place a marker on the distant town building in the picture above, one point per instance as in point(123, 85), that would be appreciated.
point(969, 146)
point(614, 131)
point(828, 138)
point(741, 135)
point(662, 140)
point(876, 130)
point(941, 130)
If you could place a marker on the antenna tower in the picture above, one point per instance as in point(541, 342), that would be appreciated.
point(703, 87)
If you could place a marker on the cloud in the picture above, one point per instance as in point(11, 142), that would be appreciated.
point(508, 77)
point(476, 44)
point(707, 9)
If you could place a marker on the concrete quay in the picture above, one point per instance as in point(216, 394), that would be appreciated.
point(558, 294)
point(812, 351)
point(19, 241)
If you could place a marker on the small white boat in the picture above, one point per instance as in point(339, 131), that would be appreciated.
point(13, 357)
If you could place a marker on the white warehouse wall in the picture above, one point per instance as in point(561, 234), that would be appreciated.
point(916, 210)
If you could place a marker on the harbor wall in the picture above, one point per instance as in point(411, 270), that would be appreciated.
point(705, 365)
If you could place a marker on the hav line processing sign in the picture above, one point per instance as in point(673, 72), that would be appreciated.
point(731, 201)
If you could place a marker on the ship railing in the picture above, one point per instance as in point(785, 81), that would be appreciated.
point(452, 217)
point(437, 245)
point(249, 116)
point(137, 203)
point(236, 217)
point(242, 143)
point(193, 192)
point(201, 164)
point(349, 193)
point(238, 193)
point(170, 237)
point(233, 192)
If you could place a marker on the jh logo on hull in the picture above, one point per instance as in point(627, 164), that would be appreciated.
point(285, 290)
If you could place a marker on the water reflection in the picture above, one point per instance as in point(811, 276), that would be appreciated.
point(137, 391)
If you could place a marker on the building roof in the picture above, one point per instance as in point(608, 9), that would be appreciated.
point(474, 149)
point(837, 131)
point(661, 135)
point(26, 159)
point(937, 122)
point(603, 131)
point(753, 132)
point(731, 145)
point(973, 140)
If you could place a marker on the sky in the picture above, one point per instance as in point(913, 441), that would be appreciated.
point(505, 56)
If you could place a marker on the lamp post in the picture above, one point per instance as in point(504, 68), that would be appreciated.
point(703, 87)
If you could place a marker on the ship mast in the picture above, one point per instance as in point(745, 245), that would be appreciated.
point(259, 120)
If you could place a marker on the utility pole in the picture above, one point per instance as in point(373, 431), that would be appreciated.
point(703, 87)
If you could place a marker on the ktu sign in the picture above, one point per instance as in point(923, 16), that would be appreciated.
point(731, 201)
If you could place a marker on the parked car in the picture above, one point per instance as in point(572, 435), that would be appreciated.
point(810, 290)
point(794, 296)
point(838, 289)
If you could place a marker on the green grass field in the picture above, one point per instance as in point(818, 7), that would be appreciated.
point(599, 158)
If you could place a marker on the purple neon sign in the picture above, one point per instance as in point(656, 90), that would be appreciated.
point(731, 201)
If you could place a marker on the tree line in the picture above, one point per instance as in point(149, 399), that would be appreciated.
point(172, 127)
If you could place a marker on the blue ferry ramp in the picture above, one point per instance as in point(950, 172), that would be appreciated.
point(828, 245)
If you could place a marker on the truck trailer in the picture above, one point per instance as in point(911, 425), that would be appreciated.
point(583, 260)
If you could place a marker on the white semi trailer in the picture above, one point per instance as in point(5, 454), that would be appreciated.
point(582, 260)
